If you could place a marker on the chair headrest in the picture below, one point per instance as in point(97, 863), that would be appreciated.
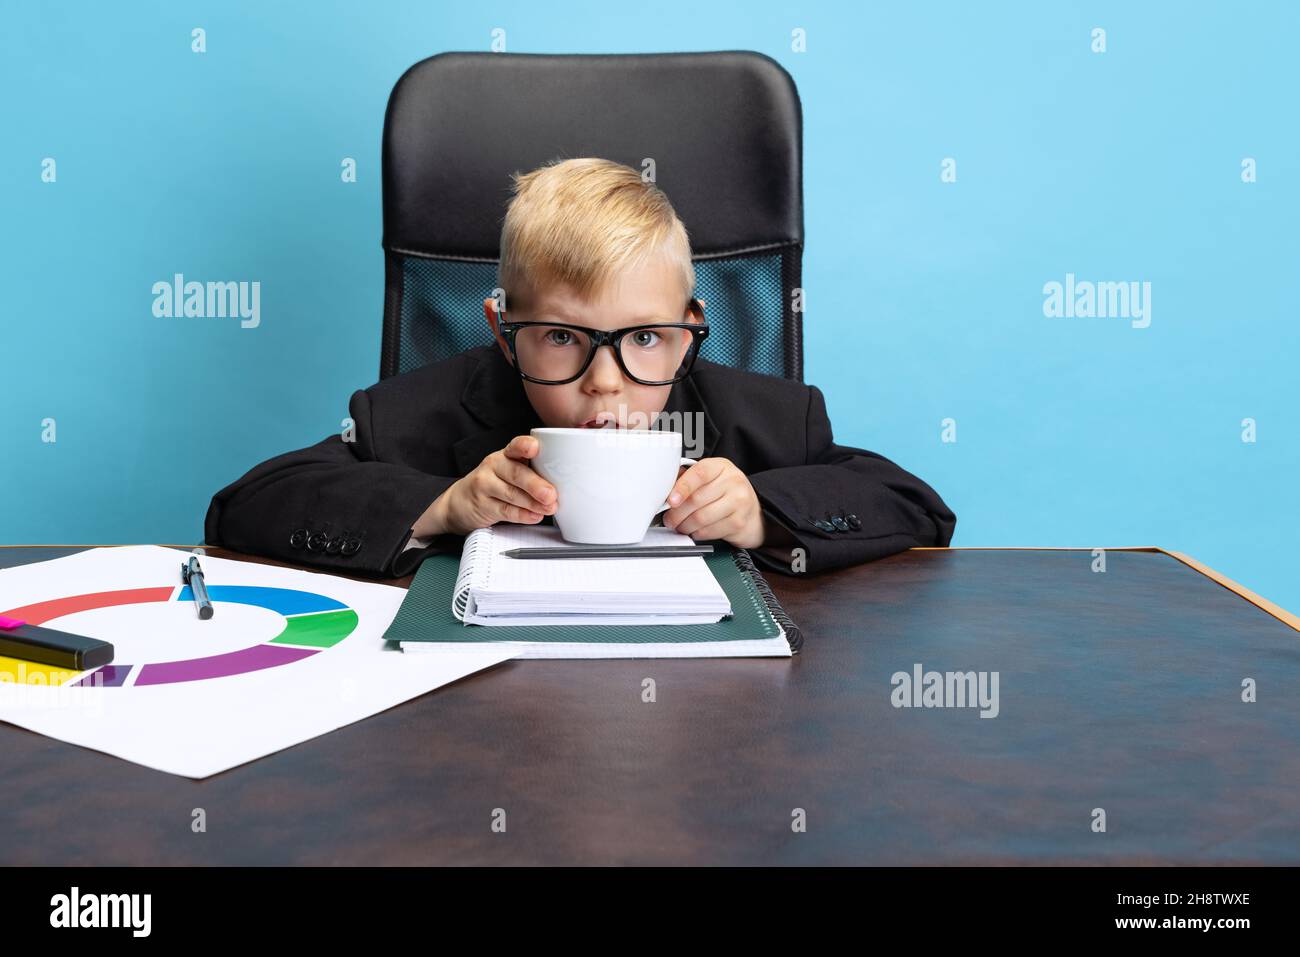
point(724, 130)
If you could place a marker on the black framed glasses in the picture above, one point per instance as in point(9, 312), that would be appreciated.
point(655, 353)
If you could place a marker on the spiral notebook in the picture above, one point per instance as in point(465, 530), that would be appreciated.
point(430, 618)
point(495, 589)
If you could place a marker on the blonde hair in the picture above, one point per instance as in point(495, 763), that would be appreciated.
point(581, 222)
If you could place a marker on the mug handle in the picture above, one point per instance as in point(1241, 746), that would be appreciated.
point(664, 507)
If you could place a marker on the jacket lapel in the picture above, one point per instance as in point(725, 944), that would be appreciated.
point(494, 395)
point(688, 414)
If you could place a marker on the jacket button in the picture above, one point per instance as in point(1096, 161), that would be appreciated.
point(333, 545)
point(351, 547)
point(855, 523)
point(840, 524)
point(298, 539)
point(824, 525)
point(317, 542)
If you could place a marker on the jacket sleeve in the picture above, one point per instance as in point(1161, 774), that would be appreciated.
point(892, 509)
point(332, 505)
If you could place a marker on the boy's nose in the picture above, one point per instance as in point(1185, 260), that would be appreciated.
point(604, 373)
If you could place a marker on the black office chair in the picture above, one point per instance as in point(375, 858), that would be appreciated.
point(724, 130)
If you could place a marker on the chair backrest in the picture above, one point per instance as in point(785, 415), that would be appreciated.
point(722, 129)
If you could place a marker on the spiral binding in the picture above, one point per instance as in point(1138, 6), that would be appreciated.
point(477, 540)
point(793, 634)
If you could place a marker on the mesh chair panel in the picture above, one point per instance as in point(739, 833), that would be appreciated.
point(744, 303)
point(439, 306)
point(442, 309)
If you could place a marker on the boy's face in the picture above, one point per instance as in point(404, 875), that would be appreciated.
point(602, 395)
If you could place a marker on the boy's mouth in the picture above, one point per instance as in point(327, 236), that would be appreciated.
point(601, 420)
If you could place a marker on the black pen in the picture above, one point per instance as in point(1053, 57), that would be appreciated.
point(609, 551)
point(192, 575)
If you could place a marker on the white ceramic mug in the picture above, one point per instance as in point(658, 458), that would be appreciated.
point(610, 482)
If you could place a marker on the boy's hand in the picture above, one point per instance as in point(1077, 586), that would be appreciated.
point(502, 488)
point(714, 500)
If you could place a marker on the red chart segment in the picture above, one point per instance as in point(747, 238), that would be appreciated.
point(43, 611)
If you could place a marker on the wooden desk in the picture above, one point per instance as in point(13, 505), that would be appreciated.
point(1119, 690)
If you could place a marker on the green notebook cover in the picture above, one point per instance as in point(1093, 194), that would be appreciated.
point(426, 615)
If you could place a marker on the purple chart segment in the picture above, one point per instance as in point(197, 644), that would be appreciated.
point(109, 676)
point(220, 666)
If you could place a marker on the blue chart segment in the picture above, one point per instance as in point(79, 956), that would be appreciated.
point(287, 601)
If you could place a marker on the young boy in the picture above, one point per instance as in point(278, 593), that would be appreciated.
point(587, 247)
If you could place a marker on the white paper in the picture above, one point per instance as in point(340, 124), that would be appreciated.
point(197, 728)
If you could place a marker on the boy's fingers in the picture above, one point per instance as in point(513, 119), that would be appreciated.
point(507, 492)
point(501, 502)
point(703, 496)
point(513, 513)
point(529, 482)
point(704, 517)
point(722, 529)
point(705, 470)
point(718, 531)
point(521, 447)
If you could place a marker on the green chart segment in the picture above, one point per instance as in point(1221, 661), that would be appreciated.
point(322, 629)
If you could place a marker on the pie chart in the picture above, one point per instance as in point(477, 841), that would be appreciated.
point(312, 622)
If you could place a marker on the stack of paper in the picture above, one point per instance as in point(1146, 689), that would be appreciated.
point(495, 589)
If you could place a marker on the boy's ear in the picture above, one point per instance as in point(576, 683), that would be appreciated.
point(490, 310)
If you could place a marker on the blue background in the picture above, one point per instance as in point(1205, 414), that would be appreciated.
point(1070, 432)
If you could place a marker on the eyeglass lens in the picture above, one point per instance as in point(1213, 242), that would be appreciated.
point(554, 353)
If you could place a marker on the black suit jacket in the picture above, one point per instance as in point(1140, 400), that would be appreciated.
point(349, 506)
